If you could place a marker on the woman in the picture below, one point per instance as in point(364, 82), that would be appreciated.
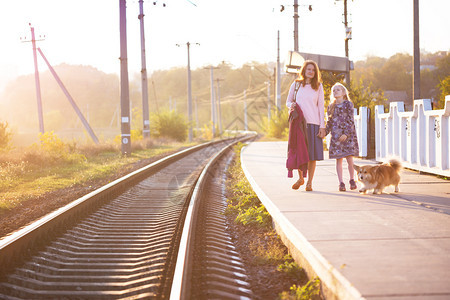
point(307, 92)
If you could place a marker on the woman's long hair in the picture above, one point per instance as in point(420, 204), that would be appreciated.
point(316, 80)
point(333, 99)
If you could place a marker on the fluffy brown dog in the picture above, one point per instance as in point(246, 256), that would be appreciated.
point(379, 177)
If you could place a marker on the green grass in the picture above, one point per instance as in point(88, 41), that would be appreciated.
point(310, 290)
point(244, 205)
point(24, 176)
point(269, 250)
point(290, 267)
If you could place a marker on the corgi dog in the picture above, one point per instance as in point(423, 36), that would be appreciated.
point(379, 176)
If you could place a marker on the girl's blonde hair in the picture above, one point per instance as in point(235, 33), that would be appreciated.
point(333, 99)
point(316, 80)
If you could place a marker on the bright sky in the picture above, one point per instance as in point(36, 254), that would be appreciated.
point(86, 32)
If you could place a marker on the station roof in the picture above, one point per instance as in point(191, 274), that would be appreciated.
point(337, 64)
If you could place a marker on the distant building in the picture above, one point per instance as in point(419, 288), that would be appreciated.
point(398, 96)
point(395, 96)
point(428, 67)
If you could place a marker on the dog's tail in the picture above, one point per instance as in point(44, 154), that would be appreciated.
point(395, 164)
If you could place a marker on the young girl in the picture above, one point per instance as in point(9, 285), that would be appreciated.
point(341, 124)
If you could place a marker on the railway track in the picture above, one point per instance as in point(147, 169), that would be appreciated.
point(129, 238)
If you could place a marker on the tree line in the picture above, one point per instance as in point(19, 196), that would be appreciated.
point(395, 74)
point(97, 93)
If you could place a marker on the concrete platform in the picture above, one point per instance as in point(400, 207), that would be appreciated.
point(388, 246)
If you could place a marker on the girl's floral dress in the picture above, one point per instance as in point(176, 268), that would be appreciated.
point(339, 123)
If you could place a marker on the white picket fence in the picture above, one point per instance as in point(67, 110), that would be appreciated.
point(362, 129)
point(418, 138)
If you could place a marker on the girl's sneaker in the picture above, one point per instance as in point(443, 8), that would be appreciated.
point(353, 184)
point(342, 187)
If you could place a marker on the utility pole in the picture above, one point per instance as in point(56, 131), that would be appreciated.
point(270, 78)
point(296, 25)
point(268, 101)
point(189, 93)
point(213, 106)
point(196, 113)
point(278, 76)
point(124, 84)
point(346, 26)
point(219, 111)
point(69, 97)
point(416, 57)
point(145, 109)
point(189, 89)
point(213, 109)
point(296, 16)
point(37, 81)
point(245, 111)
point(348, 36)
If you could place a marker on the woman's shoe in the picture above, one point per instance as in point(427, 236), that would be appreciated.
point(298, 183)
point(342, 187)
point(308, 187)
point(352, 184)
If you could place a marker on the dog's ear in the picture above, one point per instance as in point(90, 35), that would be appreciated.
point(357, 168)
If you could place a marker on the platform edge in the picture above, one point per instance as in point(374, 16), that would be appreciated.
point(334, 284)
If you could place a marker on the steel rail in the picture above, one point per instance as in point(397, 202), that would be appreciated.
point(118, 241)
point(181, 283)
point(21, 244)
